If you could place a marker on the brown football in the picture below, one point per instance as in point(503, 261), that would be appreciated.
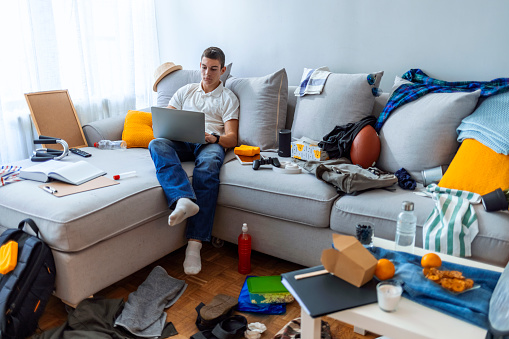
point(365, 147)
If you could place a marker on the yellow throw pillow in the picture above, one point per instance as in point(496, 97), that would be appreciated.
point(138, 129)
point(477, 168)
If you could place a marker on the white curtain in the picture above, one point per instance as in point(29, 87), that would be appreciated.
point(104, 52)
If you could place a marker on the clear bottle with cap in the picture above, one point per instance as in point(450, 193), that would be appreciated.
point(406, 228)
point(108, 144)
point(244, 242)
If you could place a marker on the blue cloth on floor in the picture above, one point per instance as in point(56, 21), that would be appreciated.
point(405, 180)
point(245, 304)
point(471, 306)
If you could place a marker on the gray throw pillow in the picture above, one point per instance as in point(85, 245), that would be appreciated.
point(345, 98)
point(422, 134)
point(173, 81)
point(262, 108)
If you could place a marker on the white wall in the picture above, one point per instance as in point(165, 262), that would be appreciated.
point(448, 39)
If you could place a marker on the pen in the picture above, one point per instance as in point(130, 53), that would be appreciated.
point(49, 189)
point(124, 175)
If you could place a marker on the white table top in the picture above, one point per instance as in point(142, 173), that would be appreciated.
point(413, 320)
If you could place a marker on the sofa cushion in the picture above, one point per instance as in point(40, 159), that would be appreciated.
point(262, 108)
point(173, 81)
point(346, 98)
point(138, 130)
point(422, 134)
point(380, 207)
point(78, 221)
point(477, 168)
point(300, 198)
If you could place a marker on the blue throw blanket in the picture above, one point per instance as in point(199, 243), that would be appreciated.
point(423, 84)
point(471, 306)
point(489, 124)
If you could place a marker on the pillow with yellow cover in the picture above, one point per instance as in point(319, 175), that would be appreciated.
point(477, 168)
point(138, 129)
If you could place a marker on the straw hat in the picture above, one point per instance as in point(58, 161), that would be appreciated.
point(163, 71)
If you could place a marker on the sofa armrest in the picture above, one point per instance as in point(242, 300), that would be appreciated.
point(106, 129)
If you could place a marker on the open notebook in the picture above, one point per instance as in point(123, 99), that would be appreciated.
point(74, 173)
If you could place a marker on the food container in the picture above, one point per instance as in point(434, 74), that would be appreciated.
point(268, 290)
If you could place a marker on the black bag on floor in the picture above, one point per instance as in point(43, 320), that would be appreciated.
point(25, 290)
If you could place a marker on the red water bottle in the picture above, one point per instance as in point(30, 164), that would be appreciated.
point(244, 251)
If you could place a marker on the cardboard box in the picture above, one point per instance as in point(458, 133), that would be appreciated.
point(349, 260)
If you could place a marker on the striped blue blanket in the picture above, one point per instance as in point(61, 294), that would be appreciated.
point(423, 84)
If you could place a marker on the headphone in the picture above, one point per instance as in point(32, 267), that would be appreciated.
point(44, 154)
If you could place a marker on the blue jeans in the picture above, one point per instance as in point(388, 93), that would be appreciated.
point(208, 159)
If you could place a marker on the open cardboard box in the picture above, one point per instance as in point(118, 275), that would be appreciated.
point(349, 260)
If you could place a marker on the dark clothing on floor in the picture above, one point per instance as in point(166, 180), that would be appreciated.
point(93, 318)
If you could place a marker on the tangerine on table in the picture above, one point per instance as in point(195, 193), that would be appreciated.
point(431, 260)
point(384, 269)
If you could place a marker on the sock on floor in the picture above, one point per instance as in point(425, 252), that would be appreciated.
point(192, 263)
point(184, 209)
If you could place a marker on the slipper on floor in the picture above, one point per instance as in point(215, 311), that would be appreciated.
point(230, 328)
point(209, 325)
point(220, 305)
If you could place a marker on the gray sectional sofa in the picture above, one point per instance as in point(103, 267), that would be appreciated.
point(99, 237)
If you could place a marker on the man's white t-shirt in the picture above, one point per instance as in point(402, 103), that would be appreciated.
point(219, 106)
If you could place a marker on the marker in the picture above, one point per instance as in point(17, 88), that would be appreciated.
point(124, 175)
point(49, 189)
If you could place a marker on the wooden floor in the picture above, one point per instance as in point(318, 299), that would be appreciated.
point(219, 275)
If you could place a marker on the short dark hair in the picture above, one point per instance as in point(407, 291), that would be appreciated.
point(214, 53)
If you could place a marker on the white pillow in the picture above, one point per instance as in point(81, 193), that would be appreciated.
point(346, 98)
point(262, 108)
point(422, 134)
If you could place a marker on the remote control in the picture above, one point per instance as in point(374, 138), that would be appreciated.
point(80, 152)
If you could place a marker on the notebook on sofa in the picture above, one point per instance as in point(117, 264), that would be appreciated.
point(74, 173)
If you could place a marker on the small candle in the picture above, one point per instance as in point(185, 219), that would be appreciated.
point(389, 294)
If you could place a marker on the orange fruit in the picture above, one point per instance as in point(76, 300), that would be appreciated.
point(384, 269)
point(431, 260)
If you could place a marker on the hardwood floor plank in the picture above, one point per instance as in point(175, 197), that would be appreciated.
point(219, 275)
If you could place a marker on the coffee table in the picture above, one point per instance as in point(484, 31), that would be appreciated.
point(411, 320)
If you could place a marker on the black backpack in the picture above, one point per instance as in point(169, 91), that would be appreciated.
point(26, 289)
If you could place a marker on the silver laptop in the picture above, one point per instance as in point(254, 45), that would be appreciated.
point(178, 125)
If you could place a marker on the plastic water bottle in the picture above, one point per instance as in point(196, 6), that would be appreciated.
point(244, 251)
point(108, 144)
point(405, 229)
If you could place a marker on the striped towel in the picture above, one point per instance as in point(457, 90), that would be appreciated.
point(9, 174)
point(452, 225)
point(312, 81)
point(489, 124)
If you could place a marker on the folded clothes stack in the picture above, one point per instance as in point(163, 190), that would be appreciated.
point(489, 124)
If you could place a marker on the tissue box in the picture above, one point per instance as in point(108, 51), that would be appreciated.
point(299, 150)
point(316, 153)
point(307, 149)
point(349, 260)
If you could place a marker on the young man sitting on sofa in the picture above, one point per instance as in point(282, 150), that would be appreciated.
point(198, 201)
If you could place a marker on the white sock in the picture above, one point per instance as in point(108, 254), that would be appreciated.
point(184, 209)
point(192, 263)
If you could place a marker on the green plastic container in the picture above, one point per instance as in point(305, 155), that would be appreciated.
point(268, 290)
